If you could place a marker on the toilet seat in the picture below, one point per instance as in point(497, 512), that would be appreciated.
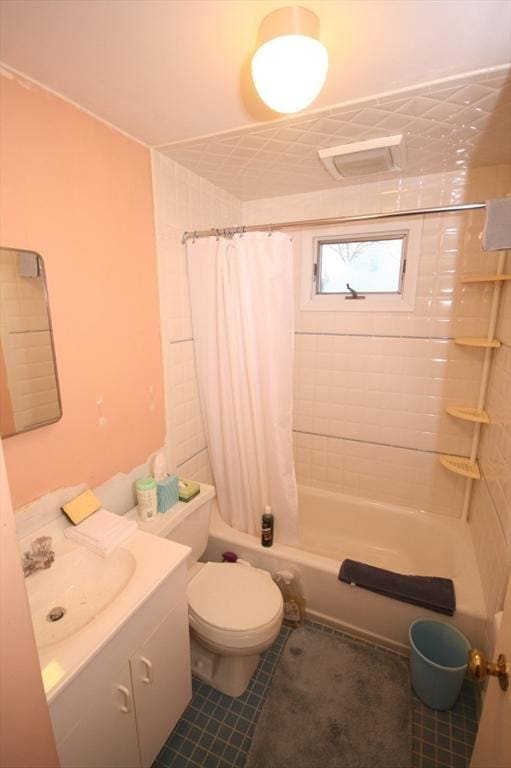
point(234, 606)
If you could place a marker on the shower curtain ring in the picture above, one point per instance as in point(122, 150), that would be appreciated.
point(195, 236)
point(242, 231)
point(217, 234)
point(269, 230)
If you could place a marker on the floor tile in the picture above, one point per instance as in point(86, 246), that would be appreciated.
point(215, 730)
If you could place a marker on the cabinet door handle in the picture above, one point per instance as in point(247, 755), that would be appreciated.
point(149, 670)
point(126, 707)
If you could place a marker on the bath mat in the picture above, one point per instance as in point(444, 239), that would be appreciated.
point(334, 703)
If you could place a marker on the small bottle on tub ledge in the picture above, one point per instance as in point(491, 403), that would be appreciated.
point(267, 528)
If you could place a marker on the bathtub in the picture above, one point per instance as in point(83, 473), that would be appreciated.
point(334, 526)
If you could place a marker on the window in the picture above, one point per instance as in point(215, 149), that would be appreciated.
point(364, 266)
point(350, 269)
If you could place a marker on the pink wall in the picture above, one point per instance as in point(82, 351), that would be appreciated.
point(79, 193)
point(26, 736)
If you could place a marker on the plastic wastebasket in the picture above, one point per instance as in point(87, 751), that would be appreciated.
point(439, 655)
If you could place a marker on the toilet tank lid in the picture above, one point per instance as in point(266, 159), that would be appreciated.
point(233, 596)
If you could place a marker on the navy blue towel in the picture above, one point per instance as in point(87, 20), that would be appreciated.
point(431, 592)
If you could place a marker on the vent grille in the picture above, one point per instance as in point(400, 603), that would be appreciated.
point(364, 157)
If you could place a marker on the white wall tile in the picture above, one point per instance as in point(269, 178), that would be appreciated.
point(392, 475)
point(356, 381)
point(183, 201)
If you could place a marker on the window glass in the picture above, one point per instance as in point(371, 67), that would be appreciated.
point(367, 266)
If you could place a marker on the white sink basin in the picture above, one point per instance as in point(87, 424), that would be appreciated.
point(80, 582)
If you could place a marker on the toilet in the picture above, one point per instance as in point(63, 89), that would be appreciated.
point(235, 610)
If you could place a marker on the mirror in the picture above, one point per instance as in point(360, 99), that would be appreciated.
point(29, 389)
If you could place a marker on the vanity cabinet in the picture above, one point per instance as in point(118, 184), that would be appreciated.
point(161, 679)
point(121, 707)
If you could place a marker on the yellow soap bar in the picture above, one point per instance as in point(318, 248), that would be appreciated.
point(81, 507)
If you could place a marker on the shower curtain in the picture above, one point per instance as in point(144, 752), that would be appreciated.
point(241, 293)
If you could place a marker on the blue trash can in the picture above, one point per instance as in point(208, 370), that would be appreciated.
point(439, 655)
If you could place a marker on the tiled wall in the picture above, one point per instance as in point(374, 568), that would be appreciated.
point(490, 518)
point(371, 388)
point(183, 201)
point(370, 391)
point(27, 346)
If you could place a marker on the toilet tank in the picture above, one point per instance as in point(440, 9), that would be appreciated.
point(185, 522)
point(193, 530)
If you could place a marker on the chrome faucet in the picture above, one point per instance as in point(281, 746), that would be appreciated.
point(42, 555)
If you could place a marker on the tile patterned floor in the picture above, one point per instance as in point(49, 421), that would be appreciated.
point(215, 731)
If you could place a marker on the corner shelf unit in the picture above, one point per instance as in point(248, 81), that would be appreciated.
point(467, 466)
point(470, 341)
point(468, 414)
point(460, 465)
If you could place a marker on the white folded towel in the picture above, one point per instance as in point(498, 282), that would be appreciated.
point(102, 532)
point(497, 227)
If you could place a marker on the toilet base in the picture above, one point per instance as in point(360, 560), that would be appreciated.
point(227, 674)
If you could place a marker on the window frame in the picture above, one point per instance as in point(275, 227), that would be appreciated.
point(311, 299)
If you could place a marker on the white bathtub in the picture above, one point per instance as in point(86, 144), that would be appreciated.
point(334, 527)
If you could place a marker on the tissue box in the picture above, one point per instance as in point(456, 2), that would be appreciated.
point(167, 492)
point(188, 489)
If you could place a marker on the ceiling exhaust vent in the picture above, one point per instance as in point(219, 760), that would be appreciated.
point(364, 157)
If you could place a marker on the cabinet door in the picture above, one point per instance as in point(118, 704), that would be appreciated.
point(106, 735)
point(162, 682)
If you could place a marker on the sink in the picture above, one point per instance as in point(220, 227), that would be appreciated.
point(80, 582)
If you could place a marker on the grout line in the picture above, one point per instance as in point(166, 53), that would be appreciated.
point(404, 337)
point(368, 442)
point(192, 457)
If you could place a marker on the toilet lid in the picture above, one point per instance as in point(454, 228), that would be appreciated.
point(234, 597)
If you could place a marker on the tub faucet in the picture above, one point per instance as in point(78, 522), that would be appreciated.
point(42, 555)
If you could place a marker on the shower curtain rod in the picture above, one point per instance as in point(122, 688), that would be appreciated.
point(230, 231)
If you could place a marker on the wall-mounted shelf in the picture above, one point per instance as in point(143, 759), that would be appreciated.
point(469, 341)
point(468, 414)
point(484, 278)
point(460, 465)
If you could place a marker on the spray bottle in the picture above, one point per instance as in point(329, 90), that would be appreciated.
point(294, 601)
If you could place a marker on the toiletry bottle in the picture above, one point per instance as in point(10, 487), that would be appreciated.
point(147, 498)
point(267, 528)
point(294, 601)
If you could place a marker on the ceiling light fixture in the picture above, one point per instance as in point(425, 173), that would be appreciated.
point(289, 69)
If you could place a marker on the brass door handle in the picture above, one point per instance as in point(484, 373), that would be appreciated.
point(479, 667)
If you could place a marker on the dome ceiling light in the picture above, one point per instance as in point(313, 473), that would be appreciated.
point(290, 67)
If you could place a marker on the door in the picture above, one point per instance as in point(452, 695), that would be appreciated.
point(493, 743)
point(106, 736)
point(162, 682)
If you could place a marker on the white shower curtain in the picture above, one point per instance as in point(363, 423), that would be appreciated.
point(241, 292)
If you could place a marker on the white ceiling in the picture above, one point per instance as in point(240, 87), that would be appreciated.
point(168, 70)
point(450, 125)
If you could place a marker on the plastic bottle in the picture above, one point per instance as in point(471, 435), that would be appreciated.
point(294, 601)
point(267, 528)
point(147, 498)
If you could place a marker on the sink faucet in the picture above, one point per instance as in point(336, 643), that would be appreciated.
point(42, 555)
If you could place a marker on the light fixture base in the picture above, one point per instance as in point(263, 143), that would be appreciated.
point(291, 20)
